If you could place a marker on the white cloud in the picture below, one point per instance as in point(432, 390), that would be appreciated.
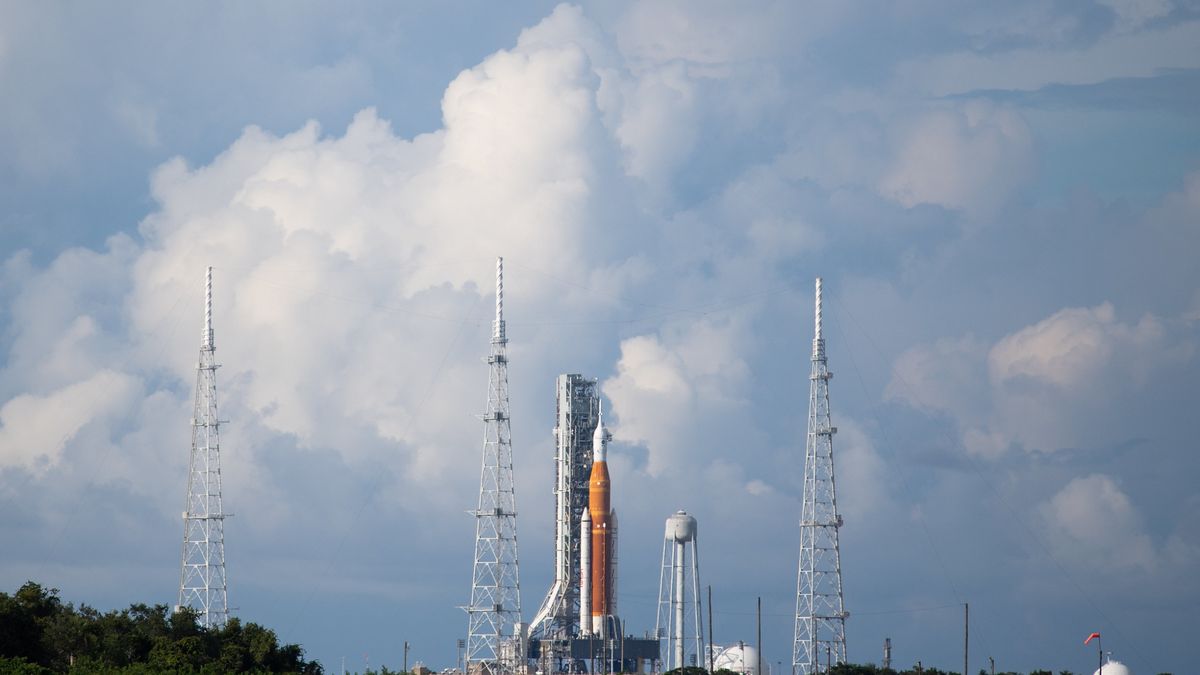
point(34, 429)
point(658, 124)
point(64, 318)
point(862, 475)
point(678, 394)
point(354, 275)
point(1076, 345)
point(1041, 387)
point(943, 376)
point(970, 157)
point(1094, 523)
point(663, 31)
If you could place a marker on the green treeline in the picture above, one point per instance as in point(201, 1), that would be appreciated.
point(871, 669)
point(41, 634)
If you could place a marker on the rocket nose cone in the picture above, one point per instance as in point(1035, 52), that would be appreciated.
point(600, 443)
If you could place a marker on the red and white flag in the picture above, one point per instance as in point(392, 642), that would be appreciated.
point(1089, 638)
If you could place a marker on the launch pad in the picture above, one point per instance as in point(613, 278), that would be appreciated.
point(590, 654)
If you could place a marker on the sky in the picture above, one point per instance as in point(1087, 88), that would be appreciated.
point(1003, 200)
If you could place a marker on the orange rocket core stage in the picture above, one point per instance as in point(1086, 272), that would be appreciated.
point(600, 510)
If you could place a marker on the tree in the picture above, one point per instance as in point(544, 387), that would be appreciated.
point(41, 634)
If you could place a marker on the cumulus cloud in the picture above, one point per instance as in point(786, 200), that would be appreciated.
point(353, 269)
point(652, 190)
point(1037, 388)
point(943, 376)
point(679, 393)
point(862, 476)
point(1075, 345)
point(1093, 522)
point(350, 277)
point(35, 429)
point(969, 157)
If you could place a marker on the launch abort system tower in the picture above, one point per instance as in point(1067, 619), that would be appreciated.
point(820, 615)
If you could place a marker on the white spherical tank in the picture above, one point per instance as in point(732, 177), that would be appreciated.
point(1114, 668)
point(681, 527)
point(740, 658)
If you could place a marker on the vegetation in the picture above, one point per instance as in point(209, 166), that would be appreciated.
point(870, 669)
point(41, 634)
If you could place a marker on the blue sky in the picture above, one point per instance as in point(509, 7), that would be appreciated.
point(1004, 201)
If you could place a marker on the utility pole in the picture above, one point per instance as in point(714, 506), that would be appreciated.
point(966, 634)
point(406, 656)
point(758, 623)
point(992, 663)
point(711, 656)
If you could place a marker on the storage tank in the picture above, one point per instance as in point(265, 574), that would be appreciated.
point(740, 658)
point(1113, 668)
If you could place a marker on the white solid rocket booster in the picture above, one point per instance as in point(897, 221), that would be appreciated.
point(585, 573)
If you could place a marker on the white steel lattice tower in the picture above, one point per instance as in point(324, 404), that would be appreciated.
point(820, 615)
point(202, 584)
point(495, 609)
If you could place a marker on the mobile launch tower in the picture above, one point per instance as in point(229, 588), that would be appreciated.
point(577, 414)
point(577, 628)
point(820, 612)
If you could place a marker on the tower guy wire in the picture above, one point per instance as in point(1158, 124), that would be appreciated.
point(820, 611)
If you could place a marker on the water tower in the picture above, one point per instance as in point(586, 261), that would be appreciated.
point(679, 594)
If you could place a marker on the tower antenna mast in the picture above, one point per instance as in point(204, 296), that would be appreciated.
point(202, 585)
point(820, 612)
point(495, 609)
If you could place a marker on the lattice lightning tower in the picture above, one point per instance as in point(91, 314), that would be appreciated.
point(202, 584)
point(495, 607)
point(820, 613)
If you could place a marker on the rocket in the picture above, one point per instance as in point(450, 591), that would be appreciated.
point(598, 534)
